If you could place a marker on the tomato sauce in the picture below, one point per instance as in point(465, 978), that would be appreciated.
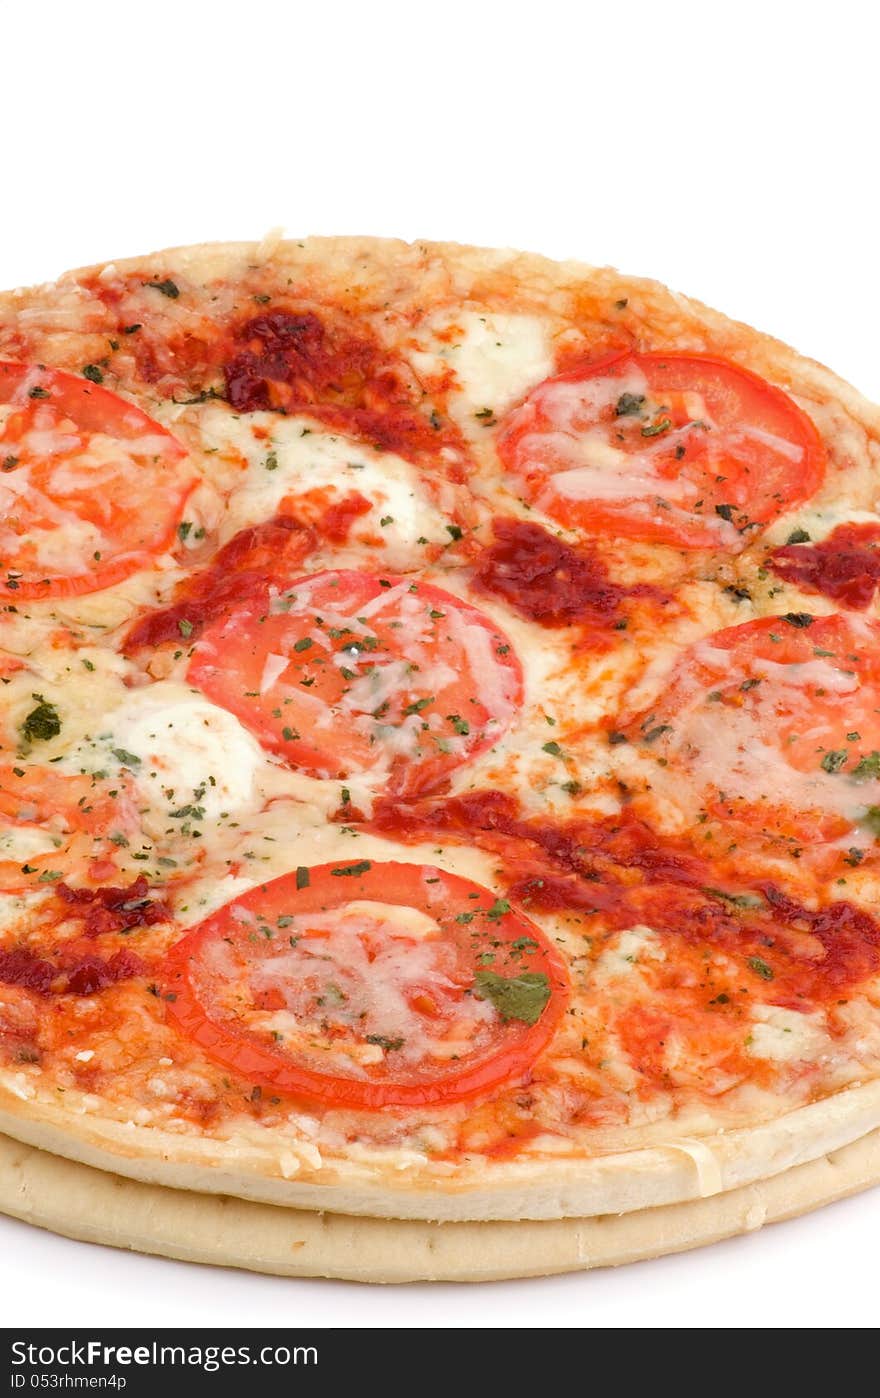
point(844, 567)
point(84, 975)
point(241, 569)
point(50, 964)
point(547, 580)
point(625, 874)
point(299, 362)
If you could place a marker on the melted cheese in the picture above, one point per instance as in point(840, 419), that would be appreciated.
point(495, 358)
point(191, 753)
point(784, 1036)
point(361, 967)
point(273, 459)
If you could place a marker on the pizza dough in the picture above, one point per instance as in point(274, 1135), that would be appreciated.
point(96, 1207)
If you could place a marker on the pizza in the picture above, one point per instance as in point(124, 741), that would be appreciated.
point(440, 747)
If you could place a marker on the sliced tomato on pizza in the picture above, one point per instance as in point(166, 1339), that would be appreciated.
point(775, 725)
point(369, 985)
point(666, 448)
point(56, 826)
point(91, 488)
point(350, 672)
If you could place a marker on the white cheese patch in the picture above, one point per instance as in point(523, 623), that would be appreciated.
point(282, 457)
point(786, 1035)
point(190, 750)
point(16, 908)
point(23, 842)
point(621, 959)
point(496, 358)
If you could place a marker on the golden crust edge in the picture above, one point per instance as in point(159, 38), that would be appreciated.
point(90, 1206)
point(685, 1168)
point(473, 263)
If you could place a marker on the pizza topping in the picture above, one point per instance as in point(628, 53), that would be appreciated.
point(193, 761)
point(292, 466)
point(114, 909)
point(676, 449)
point(85, 975)
point(844, 567)
point(242, 569)
point(289, 361)
point(774, 724)
point(548, 581)
point(618, 874)
point(347, 672)
point(92, 488)
point(42, 723)
point(399, 985)
point(54, 826)
point(496, 358)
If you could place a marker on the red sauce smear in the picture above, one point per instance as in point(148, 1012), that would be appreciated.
point(549, 581)
point(114, 909)
point(844, 567)
point(245, 567)
point(86, 975)
point(74, 972)
point(624, 873)
point(297, 362)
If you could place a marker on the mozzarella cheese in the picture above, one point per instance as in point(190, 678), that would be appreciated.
point(186, 751)
point(275, 459)
point(784, 1036)
point(495, 357)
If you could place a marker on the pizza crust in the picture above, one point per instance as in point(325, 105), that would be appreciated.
point(686, 1168)
point(92, 1206)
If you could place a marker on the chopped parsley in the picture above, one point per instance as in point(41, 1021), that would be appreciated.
point(93, 373)
point(167, 287)
point(655, 428)
point(389, 1045)
point(41, 723)
point(760, 968)
point(522, 997)
point(867, 768)
point(128, 759)
point(353, 870)
point(629, 405)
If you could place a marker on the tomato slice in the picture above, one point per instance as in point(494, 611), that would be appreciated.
point(368, 985)
point(76, 816)
point(90, 487)
point(667, 448)
point(346, 672)
point(777, 725)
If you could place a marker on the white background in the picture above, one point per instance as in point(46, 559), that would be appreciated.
point(728, 150)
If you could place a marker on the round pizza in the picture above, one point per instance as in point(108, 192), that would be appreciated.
point(440, 739)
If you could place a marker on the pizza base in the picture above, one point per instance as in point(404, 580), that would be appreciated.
point(92, 1206)
point(686, 1168)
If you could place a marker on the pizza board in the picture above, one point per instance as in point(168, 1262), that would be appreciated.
point(94, 1206)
